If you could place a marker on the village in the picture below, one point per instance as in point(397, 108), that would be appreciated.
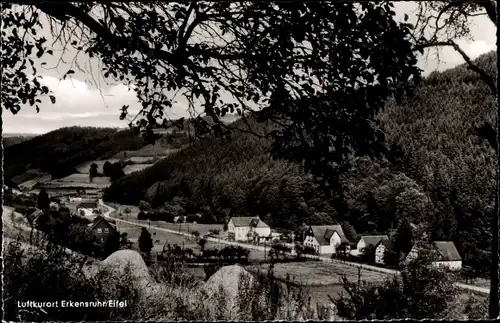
point(314, 242)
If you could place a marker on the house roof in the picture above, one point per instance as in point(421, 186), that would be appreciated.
point(35, 214)
point(387, 243)
point(87, 205)
point(245, 221)
point(373, 240)
point(97, 221)
point(447, 251)
point(323, 233)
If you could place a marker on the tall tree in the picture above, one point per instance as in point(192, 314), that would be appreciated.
point(293, 58)
point(93, 172)
point(43, 200)
point(145, 241)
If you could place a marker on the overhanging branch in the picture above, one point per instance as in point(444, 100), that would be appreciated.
point(490, 81)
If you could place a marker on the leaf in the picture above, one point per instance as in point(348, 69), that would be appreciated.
point(50, 52)
point(70, 72)
point(39, 53)
point(406, 17)
point(52, 99)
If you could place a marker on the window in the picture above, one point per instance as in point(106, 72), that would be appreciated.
point(99, 230)
point(106, 230)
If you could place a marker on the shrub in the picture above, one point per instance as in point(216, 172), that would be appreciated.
point(422, 292)
point(142, 216)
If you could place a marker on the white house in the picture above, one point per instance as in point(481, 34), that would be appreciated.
point(245, 228)
point(445, 253)
point(325, 239)
point(365, 241)
point(380, 249)
point(87, 208)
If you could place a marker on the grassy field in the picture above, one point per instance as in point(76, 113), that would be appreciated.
point(146, 151)
point(140, 160)
point(319, 273)
point(135, 168)
point(160, 238)
point(83, 178)
point(84, 167)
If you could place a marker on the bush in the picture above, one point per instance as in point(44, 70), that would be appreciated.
point(144, 206)
point(50, 273)
point(422, 292)
point(142, 216)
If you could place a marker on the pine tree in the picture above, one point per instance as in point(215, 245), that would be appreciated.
point(43, 200)
point(145, 241)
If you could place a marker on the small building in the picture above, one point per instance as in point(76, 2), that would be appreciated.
point(325, 239)
point(381, 248)
point(87, 208)
point(366, 241)
point(34, 216)
point(180, 219)
point(444, 252)
point(246, 228)
point(102, 229)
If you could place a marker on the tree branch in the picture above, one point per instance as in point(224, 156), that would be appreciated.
point(490, 81)
point(491, 9)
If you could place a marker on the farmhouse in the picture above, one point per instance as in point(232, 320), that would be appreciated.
point(445, 254)
point(325, 239)
point(87, 208)
point(380, 250)
point(102, 229)
point(245, 228)
point(366, 241)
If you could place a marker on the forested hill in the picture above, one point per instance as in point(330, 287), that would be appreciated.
point(14, 139)
point(439, 172)
point(58, 151)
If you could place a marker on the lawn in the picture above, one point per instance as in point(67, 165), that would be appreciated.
point(135, 168)
point(319, 273)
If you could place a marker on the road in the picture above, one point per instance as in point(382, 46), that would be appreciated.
point(249, 246)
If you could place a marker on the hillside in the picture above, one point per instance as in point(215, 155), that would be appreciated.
point(14, 139)
point(438, 172)
point(59, 151)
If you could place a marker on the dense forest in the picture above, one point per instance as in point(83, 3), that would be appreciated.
point(8, 141)
point(438, 172)
point(59, 151)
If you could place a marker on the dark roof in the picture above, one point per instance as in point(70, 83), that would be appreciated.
point(98, 220)
point(87, 205)
point(35, 214)
point(323, 233)
point(387, 243)
point(248, 221)
point(447, 251)
point(373, 240)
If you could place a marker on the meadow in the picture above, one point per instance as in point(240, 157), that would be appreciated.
point(319, 273)
point(85, 167)
point(135, 168)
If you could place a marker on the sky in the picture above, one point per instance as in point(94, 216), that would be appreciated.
point(81, 103)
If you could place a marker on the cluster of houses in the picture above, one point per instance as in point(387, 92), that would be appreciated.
point(330, 239)
point(88, 208)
